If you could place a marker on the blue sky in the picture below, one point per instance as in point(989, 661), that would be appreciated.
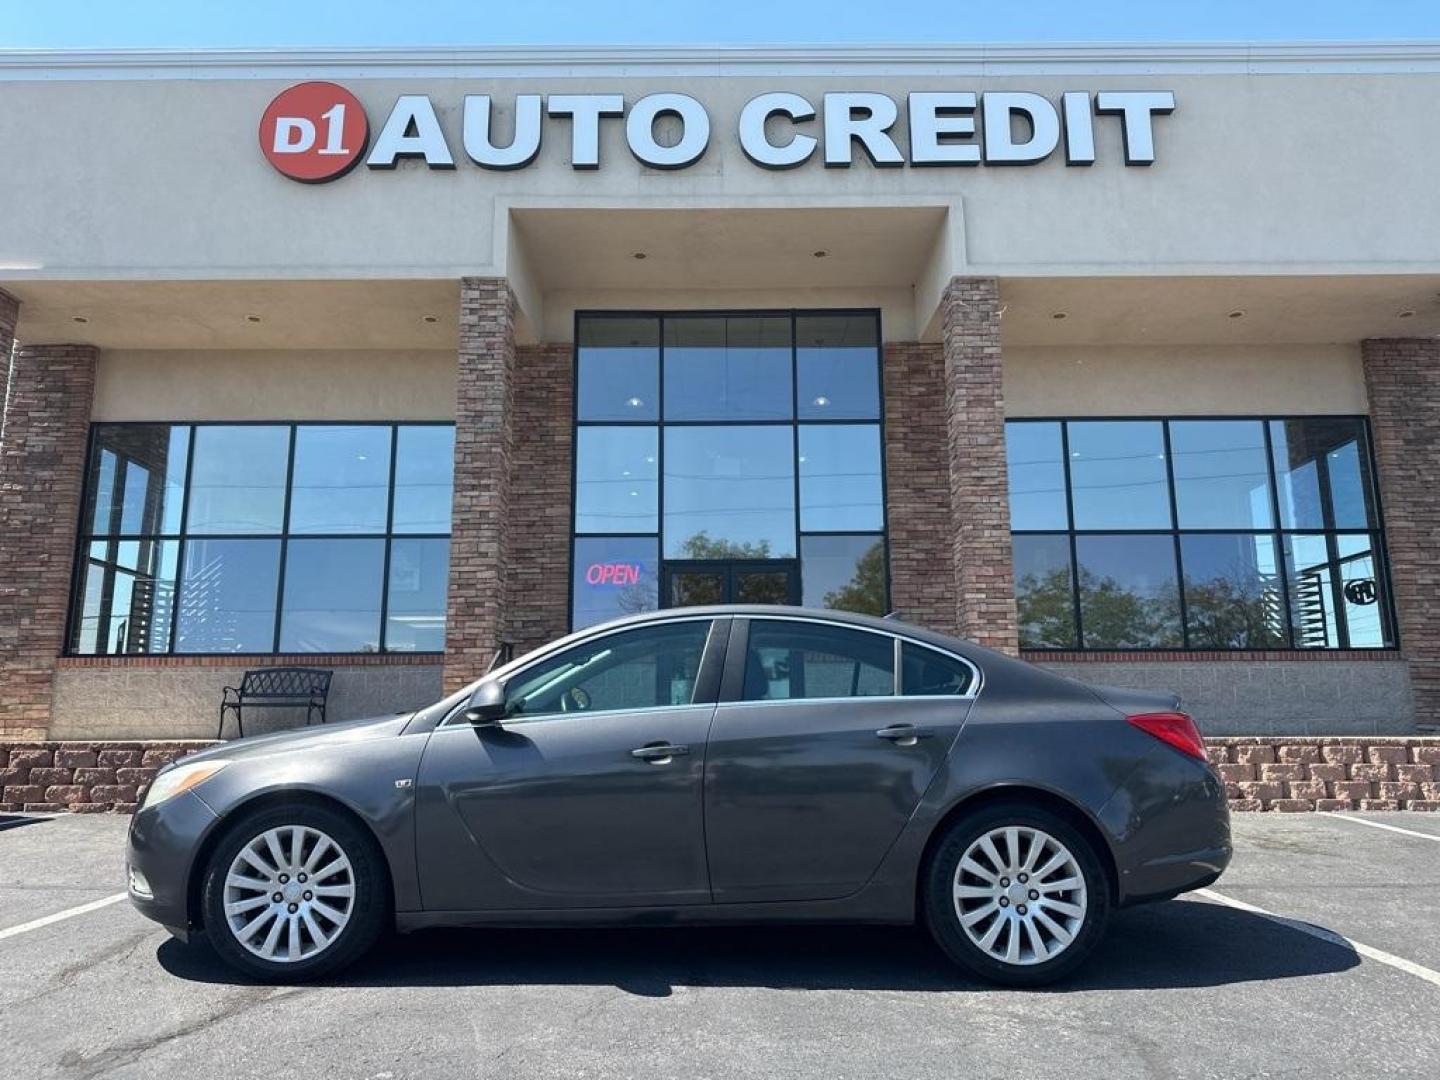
point(60, 24)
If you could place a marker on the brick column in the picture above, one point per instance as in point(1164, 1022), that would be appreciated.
point(539, 593)
point(1402, 379)
point(42, 466)
point(979, 500)
point(917, 485)
point(484, 459)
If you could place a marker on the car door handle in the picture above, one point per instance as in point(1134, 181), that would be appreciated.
point(659, 753)
point(901, 734)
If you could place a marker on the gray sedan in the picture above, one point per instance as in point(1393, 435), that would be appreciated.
point(726, 764)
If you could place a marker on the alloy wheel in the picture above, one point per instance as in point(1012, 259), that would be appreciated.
point(1019, 895)
point(289, 893)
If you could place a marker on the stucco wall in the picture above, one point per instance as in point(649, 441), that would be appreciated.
point(1272, 697)
point(1184, 380)
point(139, 702)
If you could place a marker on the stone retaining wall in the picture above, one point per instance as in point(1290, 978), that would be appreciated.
point(1259, 773)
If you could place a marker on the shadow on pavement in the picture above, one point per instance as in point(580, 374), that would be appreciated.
point(1164, 946)
point(14, 821)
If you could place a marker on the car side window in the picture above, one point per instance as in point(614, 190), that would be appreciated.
point(790, 661)
point(645, 668)
point(927, 673)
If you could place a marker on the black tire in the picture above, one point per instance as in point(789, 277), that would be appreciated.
point(369, 916)
point(938, 902)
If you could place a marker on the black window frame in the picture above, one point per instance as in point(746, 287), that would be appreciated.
point(795, 421)
point(1375, 534)
point(181, 537)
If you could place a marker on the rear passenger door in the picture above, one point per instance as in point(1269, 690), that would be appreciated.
point(817, 756)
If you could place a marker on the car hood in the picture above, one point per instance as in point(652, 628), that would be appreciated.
point(377, 727)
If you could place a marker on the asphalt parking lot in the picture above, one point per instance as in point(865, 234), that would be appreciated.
point(1190, 988)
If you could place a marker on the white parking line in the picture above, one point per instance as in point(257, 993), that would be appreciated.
point(1399, 963)
point(60, 916)
point(1387, 828)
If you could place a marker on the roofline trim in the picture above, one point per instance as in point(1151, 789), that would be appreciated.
point(1117, 58)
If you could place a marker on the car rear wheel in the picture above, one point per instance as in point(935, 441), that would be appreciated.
point(1016, 894)
point(293, 893)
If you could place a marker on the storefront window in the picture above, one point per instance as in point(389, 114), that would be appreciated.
point(1200, 534)
point(257, 538)
point(755, 475)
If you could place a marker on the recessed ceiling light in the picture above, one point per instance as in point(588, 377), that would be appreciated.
point(1408, 313)
point(1059, 315)
point(820, 254)
point(634, 402)
point(822, 401)
point(79, 319)
point(252, 318)
point(638, 255)
point(431, 318)
point(1237, 314)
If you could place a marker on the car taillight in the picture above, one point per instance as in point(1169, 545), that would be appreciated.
point(1174, 728)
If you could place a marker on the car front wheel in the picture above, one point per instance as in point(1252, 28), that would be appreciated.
point(293, 893)
point(1016, 894)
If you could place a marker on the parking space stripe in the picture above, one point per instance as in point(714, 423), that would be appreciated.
point(1387, 828)
point(1399, 963)
point(60, 916)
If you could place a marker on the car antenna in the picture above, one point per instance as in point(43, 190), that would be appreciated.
point(892, 615)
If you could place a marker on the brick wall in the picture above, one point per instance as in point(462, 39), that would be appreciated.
point(1329, 774)
point(917, 485)
point(1402, 379)
point(9, 316)
point(41, 472)
point(484, 456)
point(979, 499)
point(83, 777)
point(538, 585)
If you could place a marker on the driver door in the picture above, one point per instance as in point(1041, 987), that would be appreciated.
point(588, 794)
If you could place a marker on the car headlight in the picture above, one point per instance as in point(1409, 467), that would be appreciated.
point(180, 779)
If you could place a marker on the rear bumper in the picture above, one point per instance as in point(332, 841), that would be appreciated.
point(162, 845)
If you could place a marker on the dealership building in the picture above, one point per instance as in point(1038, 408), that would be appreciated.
point(1124, 358)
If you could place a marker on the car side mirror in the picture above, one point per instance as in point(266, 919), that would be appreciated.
point(487, 704)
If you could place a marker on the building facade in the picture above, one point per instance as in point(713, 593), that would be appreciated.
point(1124, 358)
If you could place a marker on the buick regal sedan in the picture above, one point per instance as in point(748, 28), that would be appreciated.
point(699, 765)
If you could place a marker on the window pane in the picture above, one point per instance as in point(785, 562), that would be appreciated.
point(332, 596)
point(136, 481)
point(838, 367)
point(1222, 479)
point(729, 492)
point(415, 608)
point(646, 668)
point(786, 661)
point(1312, 597)
point(728, 368)
point(227, 596)
point(1034, 458)
point(1128, 593)
point(1117, 471)
point(424, 477)
point(846, 573)
point(1043, 593)
point(927, 673)
point(614, 576)
point(1308, 449)
point(840, 486)
point(1233, 593)
point(616, 489)
point(342, 479)
point(619, 369)
point(1361, 594)
point(127, 597)
point(238, 483)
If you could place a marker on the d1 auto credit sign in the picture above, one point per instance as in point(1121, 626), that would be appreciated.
point(314, 132)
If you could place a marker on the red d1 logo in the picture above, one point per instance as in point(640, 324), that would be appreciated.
point(314, 132)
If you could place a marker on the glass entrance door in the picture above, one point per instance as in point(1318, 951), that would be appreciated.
point(690, 583)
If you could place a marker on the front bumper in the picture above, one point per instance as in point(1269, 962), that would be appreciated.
point(162, 846)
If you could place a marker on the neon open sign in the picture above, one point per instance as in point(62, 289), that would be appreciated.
point(613, 573)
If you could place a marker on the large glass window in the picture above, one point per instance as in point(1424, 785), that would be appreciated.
point(728, 439)
point(258, 538)
point(1243, 533)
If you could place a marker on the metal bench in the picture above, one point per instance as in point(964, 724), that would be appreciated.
point(276, 688)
